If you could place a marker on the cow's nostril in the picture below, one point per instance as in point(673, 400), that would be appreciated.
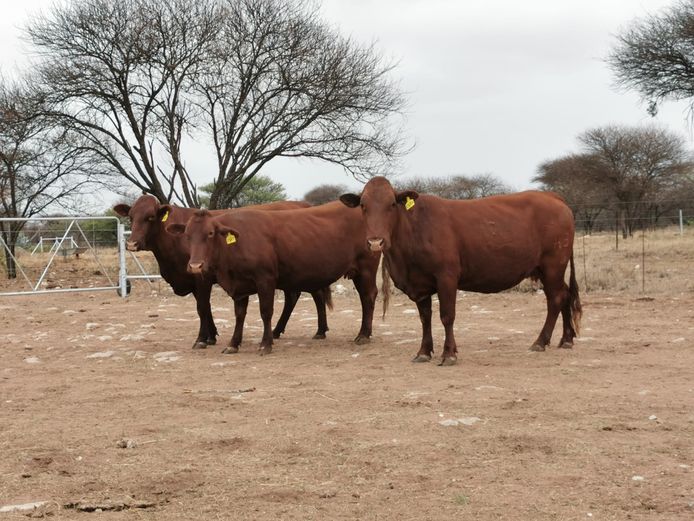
point(375, 244)
point(195, 266)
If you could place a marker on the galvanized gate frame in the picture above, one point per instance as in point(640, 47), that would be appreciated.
point(123, 285)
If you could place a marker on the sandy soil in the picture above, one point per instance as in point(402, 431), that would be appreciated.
point(329, 430)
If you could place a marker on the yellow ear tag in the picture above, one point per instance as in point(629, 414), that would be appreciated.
point(231, 239)
point(166, 216)
point(409, 203)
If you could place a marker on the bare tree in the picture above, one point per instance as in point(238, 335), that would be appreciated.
point(631, 169)
point(117, 73)
point(635, 164)
point(655, 56)
point(456, 187)
point(577, 178)
point(259, 79)
point(322, 194)
point(282, 83)
point(42, 167)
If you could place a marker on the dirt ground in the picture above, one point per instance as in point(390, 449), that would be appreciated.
point(104, 407)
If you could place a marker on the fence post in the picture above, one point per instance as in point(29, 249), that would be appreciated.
point(122, 272)
point(643, 261)
point(681, 224)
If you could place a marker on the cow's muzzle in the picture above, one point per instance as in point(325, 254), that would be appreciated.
point(195, 267)
point(132, 246)
point(376, 244)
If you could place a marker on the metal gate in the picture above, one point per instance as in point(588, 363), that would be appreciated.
point(67, 237)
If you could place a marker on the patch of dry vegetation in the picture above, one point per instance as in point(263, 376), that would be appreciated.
point(667, 257)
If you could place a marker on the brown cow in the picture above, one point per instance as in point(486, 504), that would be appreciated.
point(433, 245)
point(148, 220)
point(295, 250)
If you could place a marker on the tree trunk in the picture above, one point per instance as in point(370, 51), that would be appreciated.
point(9, 250)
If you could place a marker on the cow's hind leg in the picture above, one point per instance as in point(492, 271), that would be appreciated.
point(266, 294)
point(557, 294)
point(447, 291)
point(240, 308)
point(290, 300)
point(319, 300)
point(569, 333)
point(426, 349)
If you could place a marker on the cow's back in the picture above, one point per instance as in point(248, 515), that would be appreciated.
point(306, 248)
point(492, 243)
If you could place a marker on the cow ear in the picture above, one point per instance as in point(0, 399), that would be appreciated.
point(350, 200)
point(405, 196)
point(230, 235)
point(176, 229)
point(122, 209)
point(163, 212)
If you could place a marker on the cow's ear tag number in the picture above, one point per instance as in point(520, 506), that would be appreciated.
point(409, 203)
point(165, 217)
point(231, 238)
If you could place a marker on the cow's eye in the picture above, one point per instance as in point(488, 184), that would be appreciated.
point(210, 234)
point(150, 219)
point(394, 204)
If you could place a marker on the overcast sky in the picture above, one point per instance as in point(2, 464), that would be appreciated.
point(494, 86)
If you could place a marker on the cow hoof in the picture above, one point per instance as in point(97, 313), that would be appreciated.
point(566, 345)
point(211, 341)
point(319, 336)
point(361, 340)
point(199, 344)
point(230, 350)
point(262, 351)
point(422, 358)
point(537, 348)
point(448, 360)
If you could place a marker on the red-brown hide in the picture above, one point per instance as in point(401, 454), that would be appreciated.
point(294, 250)
point(433, 245)
point(148, 221)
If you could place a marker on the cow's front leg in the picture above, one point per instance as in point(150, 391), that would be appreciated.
point(208, 331)
point(366, 287)
point(240, 308)
point(201, 340)
point(266, 298)
point(447, 291)
point(426, 349)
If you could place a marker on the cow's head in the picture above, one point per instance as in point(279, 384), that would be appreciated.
point(205, 236)
point(146, 216)
point(381, 207)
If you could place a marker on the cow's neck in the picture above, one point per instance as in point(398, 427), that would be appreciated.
point(168, 253)
point(402, 247)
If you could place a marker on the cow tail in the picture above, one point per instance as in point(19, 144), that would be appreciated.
point(328, 297)
point(385, 285)
point(574, 299)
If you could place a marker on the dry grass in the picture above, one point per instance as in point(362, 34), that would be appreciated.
point(668, 261)
point(654, 262)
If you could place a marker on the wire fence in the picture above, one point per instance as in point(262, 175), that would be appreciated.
point(643, 258)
